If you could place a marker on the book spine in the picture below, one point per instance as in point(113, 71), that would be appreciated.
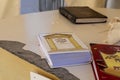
point(43, 50)
point(67, 15)
point(95, 70)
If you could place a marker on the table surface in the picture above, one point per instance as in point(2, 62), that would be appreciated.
point(25, 28)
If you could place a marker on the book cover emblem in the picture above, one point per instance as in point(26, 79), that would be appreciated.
point(112, 62)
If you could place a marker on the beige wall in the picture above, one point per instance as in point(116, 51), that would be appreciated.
point(9, 8)
point(91, 3)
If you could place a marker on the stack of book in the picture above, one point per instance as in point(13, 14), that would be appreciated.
point(64, 49)
point(106, 61)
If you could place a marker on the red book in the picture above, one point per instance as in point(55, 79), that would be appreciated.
point(106, 61)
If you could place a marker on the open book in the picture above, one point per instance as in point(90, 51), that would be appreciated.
point(15, 68)
point(36, 76)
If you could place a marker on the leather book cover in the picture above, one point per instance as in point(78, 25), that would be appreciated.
point(106, 61)
point(82, 14)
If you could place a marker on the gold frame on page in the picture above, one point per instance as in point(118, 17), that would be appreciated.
point(49, 39)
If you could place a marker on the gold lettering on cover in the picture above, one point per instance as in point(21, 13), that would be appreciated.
point(112, 62)
point(116, 67)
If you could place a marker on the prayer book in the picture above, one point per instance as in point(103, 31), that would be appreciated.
point(106, 61)
point(77, 15)
point(63, 49)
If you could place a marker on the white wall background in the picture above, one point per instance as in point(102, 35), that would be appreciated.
point(91, 3)
point(113, 4)
point(9, 8)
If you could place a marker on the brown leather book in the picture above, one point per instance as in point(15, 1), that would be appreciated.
point(85, 14)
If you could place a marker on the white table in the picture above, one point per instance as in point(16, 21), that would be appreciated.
point(26, 28)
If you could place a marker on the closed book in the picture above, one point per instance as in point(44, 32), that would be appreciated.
point(77, 14)
point(106, 61)
point(64, 49)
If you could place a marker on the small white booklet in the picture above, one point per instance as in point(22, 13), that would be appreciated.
point(35, 76)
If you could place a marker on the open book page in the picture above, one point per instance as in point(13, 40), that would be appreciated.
point(15, 68)
point(35, 76)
